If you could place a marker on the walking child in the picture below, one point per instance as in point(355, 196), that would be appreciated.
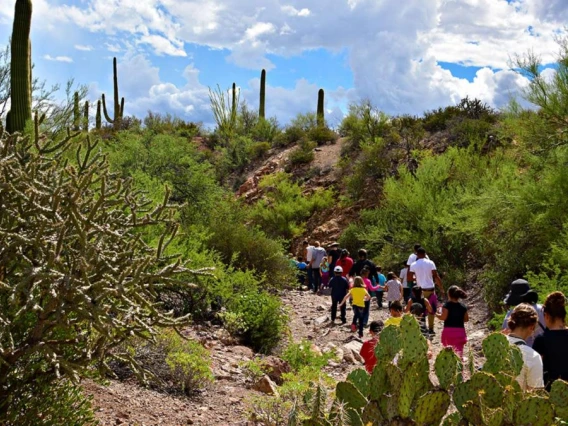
point(324, 272)
point(371, 289)
point(339, 288)
point(395, 309)
point(381, 286)
point(393, 287)
point(367, 351)
point(417, 298)
point(360, 296)
point(455, 315)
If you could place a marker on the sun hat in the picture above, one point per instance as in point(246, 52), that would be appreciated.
point(519, 288)
point(338, 269)
point(530, 297)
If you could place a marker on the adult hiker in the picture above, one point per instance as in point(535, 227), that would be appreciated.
point(318, 254)
point(333, 255)
point(423, 272)
point(339, 289)
point(362, 263)
point(307, 255)
point(345, 262)
point(521, 293)
point(522, 322)
point(411, 259)
point(552, 345)
point(405, 287)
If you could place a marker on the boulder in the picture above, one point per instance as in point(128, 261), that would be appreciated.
point(267, 386)
point(275, 368)
point(353, 347)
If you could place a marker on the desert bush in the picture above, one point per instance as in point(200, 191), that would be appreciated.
point(300, 355)
point(291, 135)
point(73, 260)
point(282, 210)
point(322, 135)
point(264, 317)
point(175, 363)
point(304, 153)
point(363, 122)
point(259, 149)
point(166, 123)
point(265, 130)
point(305, 122)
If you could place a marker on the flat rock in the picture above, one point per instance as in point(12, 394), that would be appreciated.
point(265, 385)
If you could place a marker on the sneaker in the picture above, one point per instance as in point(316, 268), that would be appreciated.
point(353, 327)
point(432, 332)
point(360, 335)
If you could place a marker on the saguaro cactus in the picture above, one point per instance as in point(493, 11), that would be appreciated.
point(76, 113)
point(20, 68)
point(320, 110)
point(234, 103)
point(98, 118)
point(86, 117)
point(262, 93)
point(118, 102)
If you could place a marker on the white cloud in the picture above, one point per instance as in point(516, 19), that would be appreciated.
point(292, 11)
point(58, 58)
point(163, 46)
point(84, 48)
point(111, 47)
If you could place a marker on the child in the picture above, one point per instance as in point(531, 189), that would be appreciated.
point(367, 351)
point(370, 289)
point(360, 296)
point(395, 309)
point(381, 286)
point(416, 297)
point(324, 273)
point(302, 271)
point(393, 287)
point(454, 314)
point(339, 288)
point(418, 312)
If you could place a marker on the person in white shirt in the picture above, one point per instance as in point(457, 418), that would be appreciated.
point(423, 272)
point(522, 324)
point(308, 254)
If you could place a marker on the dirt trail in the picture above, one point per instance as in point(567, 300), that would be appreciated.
point(225, 402)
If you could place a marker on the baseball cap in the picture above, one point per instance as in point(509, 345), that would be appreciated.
point(338, 269)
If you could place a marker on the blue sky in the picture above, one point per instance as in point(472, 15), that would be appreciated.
point(406, 57)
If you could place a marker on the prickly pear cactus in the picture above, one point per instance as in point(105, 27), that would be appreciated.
point(348, 394)
point(488, 388)
point(389, 344)
point(361, 379)
point(502, 357)
point(378, 384)
point(454, 419)
point(414, 344)
point(372, 414)
point(446, 366)
point(431, 407)
point(559, 399)
point(534, 411)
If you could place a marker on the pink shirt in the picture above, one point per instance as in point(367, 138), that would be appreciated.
point(369, 285)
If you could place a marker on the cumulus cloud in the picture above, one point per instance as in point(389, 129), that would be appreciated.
point(58, 58)
point(84, 48)
point(394, 48)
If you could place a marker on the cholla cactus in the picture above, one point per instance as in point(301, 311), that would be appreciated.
point(76, 278)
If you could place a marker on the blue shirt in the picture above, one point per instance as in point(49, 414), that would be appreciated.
point(302, 266)
point(382, 281)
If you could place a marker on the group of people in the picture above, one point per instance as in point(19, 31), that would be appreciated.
point(539, 331)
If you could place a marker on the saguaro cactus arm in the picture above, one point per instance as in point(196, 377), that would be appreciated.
point(262, 94)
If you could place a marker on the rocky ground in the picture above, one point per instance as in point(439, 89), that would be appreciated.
point(227, 400)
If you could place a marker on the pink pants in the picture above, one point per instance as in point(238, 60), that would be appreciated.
point(456, 338)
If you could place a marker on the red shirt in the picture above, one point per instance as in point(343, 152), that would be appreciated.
point(368, 354)
point(346, 263)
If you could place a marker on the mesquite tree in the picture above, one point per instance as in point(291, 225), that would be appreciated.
point(76, 277)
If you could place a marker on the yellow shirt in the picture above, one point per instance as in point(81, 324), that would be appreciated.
point(393, 321)
point(358, 295)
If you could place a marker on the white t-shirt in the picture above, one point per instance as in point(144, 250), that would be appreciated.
point(422, 269)
point(393, 290)
point(318, 253)
point(402, 275)
point(531, 374)
point(309, 251)
point(412, 258)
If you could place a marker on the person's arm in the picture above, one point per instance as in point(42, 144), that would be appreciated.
point(466, 317)
point(438, 280)
point(367, 296)
point(345, 299)
point(443, 316)
point(401, 299)
point(408, 306)
point(409, 275)
point(428, 307)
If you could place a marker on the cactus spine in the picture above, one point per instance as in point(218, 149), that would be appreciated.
point(262, 93)
point(320, 110)
point(76, 113)
point(118, 103)
point(98, 118)
point(20, 68)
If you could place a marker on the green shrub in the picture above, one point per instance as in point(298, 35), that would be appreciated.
point(300, 355)
point(363, 122)
point(305, 122)
point(176, 361)
point(48, 403)
point(264, 318)
point(259, 149)
point(266, 130)
point(304, 153)
point(322, 135)
point(291, 135)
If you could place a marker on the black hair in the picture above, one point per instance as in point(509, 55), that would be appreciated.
point(362, 253)
point(417, 309)
point(391, 276)
point(376, 326)
point(365, 269)
point(417, 291)
point(416, 247)
point(300, 258)
point(421, 250)
point(396, 306)
point(555, 305)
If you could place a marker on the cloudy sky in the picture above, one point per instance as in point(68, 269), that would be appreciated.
point(407, 56)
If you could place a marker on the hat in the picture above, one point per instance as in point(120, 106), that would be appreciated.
point(338, 269)
point(519, 288)
point(530, 297)
point(334, 244)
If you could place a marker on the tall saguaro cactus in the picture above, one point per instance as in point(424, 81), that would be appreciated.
point(76, 113)
point(262, 93)
point(118, 102)
point(234, 103)
point(98, 118)
point(86, 117)
point(320, 110)
point(21, 68)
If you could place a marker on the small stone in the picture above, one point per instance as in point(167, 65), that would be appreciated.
point(319, 321)
point(267, 386)
point(321, 308)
